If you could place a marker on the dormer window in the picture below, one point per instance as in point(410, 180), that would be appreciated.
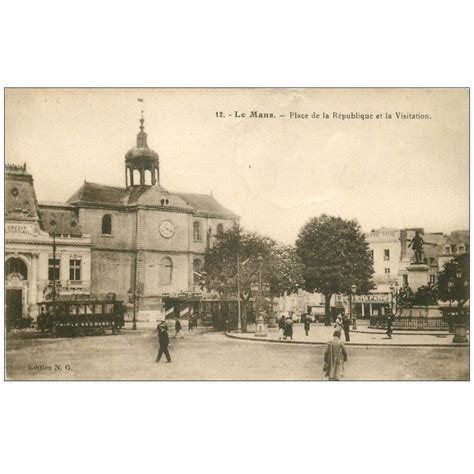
point(165, 202)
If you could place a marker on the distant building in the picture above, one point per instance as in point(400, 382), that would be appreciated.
point(29, 234)
point(391, 254)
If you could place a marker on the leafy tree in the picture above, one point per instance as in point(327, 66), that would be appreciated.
point(425, 295)
point(280, 269)
point(453, 282)
point(335, 256)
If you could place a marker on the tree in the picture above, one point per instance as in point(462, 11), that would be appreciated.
point(335, 256)
point(284, 271)
point(280, 268)
point(453, 282)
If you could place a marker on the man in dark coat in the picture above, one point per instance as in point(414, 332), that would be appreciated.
point(177, 328)
point(164, 341)
point(288, 329)
point(389, 325)
point(346, 323)
point(281, 325)
point(307, 324)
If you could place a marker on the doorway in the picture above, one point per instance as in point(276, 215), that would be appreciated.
point(14, 310)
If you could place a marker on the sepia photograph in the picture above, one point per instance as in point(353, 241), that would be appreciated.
point(237, 234)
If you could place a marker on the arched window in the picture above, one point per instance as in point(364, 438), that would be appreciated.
point(107, 224)
point(166, 271)
point(197, 267)
point(220, 229)
point(148, 177)
point(16, 265)
point(197, 230)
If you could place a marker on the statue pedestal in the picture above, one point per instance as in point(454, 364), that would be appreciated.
point(418, 275)
point(460, 333)
point(260, 329)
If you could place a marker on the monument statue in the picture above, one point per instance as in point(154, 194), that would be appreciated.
point(417, 244)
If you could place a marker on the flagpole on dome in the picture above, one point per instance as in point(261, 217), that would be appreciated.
point(143, 109)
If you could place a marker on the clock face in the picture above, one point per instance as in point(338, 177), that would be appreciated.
point(167, 229)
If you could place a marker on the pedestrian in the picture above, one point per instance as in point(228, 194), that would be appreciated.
point(281, 325)
point(288, 332)
point(307, 324)
point(346, 323)
point(163, 340)
point(390, 319)
point(334, 357)
point(177, 328)
point(190, 323)
point(338, 323)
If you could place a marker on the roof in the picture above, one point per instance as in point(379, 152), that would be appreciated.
point(458, 237)
point(20, 197)
point(99, 194)
point(206, 203)
point(59, 219)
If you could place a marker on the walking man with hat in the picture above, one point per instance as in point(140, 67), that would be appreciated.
point(163, 340)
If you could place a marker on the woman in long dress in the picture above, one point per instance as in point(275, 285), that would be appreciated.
point(334, 357)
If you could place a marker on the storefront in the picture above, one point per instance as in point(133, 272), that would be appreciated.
point(375, 304)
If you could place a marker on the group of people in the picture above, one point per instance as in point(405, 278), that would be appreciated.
point(343, 323)
point(285, 326)
point(192, 322)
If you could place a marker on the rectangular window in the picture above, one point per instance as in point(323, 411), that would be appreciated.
point(75, 269)
point(447, 249)
point(432, 279)
point(371, 253)
point(386, 254)
point(461, 249)
point(53, 269)
point(405, 280)
point(387, 270)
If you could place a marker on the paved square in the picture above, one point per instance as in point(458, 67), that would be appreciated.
point(213, 356)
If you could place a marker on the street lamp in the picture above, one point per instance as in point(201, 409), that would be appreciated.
point(450, 317)
point(393, 299)
point(260, 321)
point(134, 296)
point(460, 331)
point(353, 316)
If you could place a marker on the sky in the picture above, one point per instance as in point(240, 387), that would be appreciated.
point(276, 173)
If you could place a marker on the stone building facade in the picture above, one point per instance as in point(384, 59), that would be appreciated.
point(31, 232)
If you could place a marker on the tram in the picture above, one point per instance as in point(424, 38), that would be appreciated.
point(81, 315)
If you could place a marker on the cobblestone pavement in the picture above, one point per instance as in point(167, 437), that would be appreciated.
point(321, 334)
point(213, 356)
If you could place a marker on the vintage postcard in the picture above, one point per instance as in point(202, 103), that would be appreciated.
point(237, 234)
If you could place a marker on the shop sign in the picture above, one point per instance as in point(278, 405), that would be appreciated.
point(372, 298)
point(22, 230)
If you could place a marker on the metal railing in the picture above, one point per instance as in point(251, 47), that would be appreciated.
point(413, 322)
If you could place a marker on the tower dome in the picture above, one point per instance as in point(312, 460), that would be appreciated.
point(142, 159)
